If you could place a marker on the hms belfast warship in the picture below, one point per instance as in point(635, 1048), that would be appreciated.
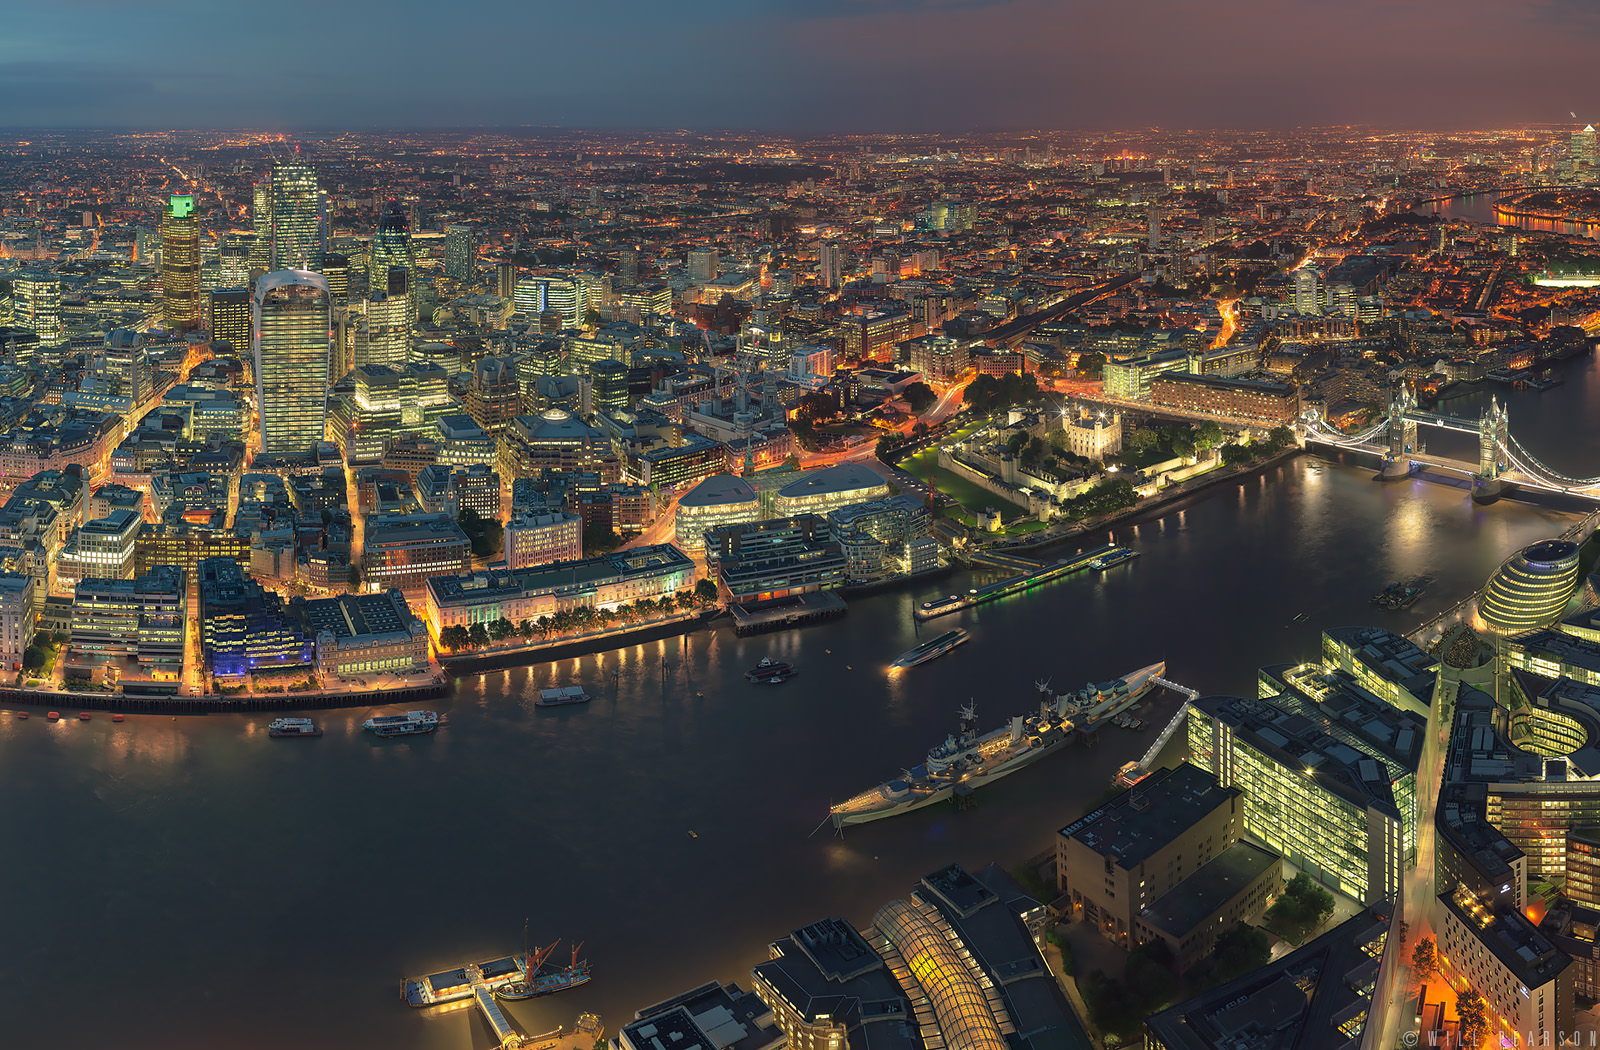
point(967, 760)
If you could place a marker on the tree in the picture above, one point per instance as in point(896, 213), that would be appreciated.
point(814, 408)
point(486, 534)
point(599, 538)
point(35, 659)
point(1425, 958)
point(455, 637)
point(920, 397)
point(479, 635)
point(1234, 455)
point(1142, 439)
point(501, 629)
point(1301, 908)
point(1090, 365)
point(1472, 1015)
point(705, 590)
point(1238, 951)
point(526, 629)
point(354, 575)
point(1208, 435)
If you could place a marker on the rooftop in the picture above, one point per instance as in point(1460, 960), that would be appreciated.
point(846, 477)
point(1149, 815)
point(1209, 888)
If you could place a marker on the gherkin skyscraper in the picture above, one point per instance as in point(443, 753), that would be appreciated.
point(391, 245)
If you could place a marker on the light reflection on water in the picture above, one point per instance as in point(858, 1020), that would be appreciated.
point(229, 874)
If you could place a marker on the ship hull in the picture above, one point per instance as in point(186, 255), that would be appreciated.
point(844, 820)
point(1001, 757)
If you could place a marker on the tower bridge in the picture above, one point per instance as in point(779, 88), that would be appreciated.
point(1502, 459)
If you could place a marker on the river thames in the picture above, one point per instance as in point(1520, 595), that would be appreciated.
point(191, 883)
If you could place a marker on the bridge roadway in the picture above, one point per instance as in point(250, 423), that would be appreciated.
point(1511, 476)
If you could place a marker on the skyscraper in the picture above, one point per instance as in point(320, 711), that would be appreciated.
point(296, 216)
point(391, 245)
point(261, 222)
point(830, 264)
point(180, 265)
point(290, 344)
point(1307, 299)
point(1583, 146)
point(234, 260)
point(37, 306)
point(460, 252)
point(1155, 229)
point(505, 279)
point(628, 267)
point(385, 339)
point(230, 317)
point(336, 268)
point(702, 264)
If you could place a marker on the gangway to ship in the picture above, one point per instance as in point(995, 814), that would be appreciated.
point(1188, 694)
point(503, 1029)
point(1167, 730)
point(1005, 561)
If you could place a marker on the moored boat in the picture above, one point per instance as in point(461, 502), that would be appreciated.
point(539, 980)
point(562, 695)
point(966, 760)
point(293, 727)
point(403, 725)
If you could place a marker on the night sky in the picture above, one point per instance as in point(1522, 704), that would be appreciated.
point(797, 65)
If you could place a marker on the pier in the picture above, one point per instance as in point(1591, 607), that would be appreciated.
point(778, 613)
point(990, 592)
point(503, 1029)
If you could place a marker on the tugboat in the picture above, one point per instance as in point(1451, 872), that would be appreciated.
point(771, 671)
point(538, 982)
point(403, 725)
point(293, 727)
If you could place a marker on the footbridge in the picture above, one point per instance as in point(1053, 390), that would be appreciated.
point(1502, 459)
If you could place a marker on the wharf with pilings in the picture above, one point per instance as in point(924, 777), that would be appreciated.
point(779, 613)
point(123, 703)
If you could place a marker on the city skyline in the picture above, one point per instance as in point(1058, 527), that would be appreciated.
point(845, 66)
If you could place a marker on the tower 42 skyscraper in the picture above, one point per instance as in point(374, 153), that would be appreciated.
point(290, 344)
point(296, 216)
point(180, 265)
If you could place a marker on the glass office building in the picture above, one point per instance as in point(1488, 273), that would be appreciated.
point(290, 345)
point(180, 265)
point(296, 216)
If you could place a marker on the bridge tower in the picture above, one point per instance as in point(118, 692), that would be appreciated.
point(1402, 435)
point(1493, 428)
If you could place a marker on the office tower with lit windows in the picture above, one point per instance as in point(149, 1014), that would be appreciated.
point(505, 279)
point(628, 267)
point(1155, 229)
point(385, 338)
point(180, 265)
point(230, 317)
point(261, 223)
point(702, 264)
point(296, 216)
point(233, 260)
point(610, 390)
point(1583, 146)
point(391, 245)
point(1307, 289)
point(830, 264)
point(460, 252)
point(290, 347)
point(37, 305)
point(336, 268)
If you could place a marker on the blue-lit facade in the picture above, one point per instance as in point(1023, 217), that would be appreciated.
point(244, 628)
